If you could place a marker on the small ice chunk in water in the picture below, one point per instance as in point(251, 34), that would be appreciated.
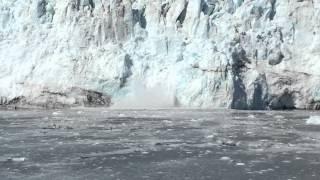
point(313, 120)
point(193, 120)
point(121, 115)
point(17, 159)
point(225, 158)
point(279, 117)
point(240, 164)
point(167, 121)
point(57, 113)
point(251, 116)
point(210, 136)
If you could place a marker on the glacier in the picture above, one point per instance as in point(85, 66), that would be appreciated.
point(240, 54)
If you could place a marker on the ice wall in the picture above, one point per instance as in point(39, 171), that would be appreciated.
point(243, 54)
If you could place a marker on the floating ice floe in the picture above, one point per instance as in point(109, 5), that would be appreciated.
point(17, 159)
point(167, 122)
point(57, 113)
point(225, 158)
point(210, 136)
point(279, 117)
point(240, 164)
point(251, 116)
point(313, 120)
point(121, 115)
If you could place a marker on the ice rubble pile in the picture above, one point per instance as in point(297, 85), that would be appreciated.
point(243, 54)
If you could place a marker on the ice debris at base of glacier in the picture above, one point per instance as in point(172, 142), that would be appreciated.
point(256, 54)
point(313, 120)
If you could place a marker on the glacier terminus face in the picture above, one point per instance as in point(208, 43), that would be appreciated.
point(241, 54)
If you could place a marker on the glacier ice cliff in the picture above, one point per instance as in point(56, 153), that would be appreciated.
point(241, 54)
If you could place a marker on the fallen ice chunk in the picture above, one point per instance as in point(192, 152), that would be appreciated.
point(251, 116)
point(193, 120)
point(17, 159)
point(121, 115)
point(210, 136)
point(225, 158)
point(240, 164)
point(167, 122)
point(57, 113)
point(279, 117)
point(313, 120)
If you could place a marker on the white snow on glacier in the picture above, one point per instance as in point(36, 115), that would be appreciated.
point(243, 54)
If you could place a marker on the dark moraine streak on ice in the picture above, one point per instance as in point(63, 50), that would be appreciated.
point(158, 144)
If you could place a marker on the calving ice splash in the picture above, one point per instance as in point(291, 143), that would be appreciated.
point(257, 54)
point(313, 120)
point(139, 96)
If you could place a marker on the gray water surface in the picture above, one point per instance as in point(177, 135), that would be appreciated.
point(158, 144)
